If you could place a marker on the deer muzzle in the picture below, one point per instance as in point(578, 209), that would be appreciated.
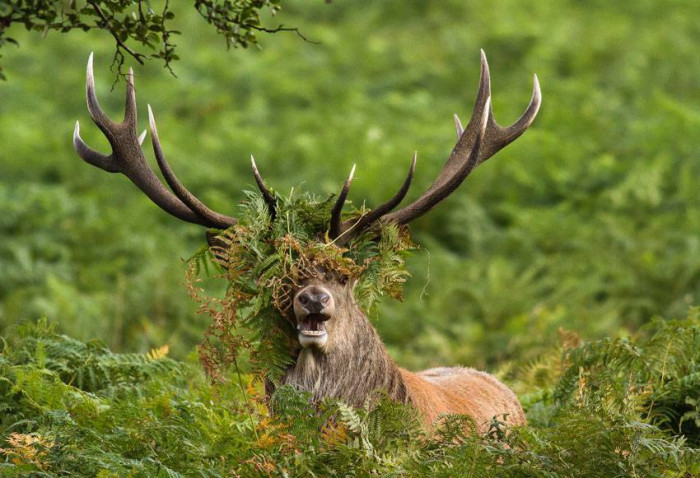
point(313, 307)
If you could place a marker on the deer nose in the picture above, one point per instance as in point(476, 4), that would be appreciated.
point(313, 300)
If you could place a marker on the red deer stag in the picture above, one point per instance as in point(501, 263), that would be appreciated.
point(339, 352)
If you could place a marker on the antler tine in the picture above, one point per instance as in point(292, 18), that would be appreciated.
point(337, 211)
point(511, 133)
point(269, 198)
point(98, 116)
point(130, 104)
point(458, 126)
point(497, 137)
point(465, 139)
point(214, 218)
point(368, 219)
point(142, 137)
point(89, 155)
point(127, 157)
point(481, 139)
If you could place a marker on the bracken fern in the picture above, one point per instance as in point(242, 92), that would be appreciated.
point(613, 408)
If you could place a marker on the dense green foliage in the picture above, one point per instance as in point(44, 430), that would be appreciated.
point(140, 29)
point(589, 221)
point(606, 408)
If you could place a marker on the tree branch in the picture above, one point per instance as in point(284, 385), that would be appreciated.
point(281, 28)
point(120, 44)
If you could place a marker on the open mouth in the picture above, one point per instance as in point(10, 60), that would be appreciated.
point(312, 325)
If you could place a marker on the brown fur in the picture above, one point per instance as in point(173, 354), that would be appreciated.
point(354, 362)
point(462, 390)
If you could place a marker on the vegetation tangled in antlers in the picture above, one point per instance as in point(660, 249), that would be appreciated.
point(264, 260)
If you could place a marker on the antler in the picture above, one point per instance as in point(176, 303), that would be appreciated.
point(481, 139)
point(127, 158)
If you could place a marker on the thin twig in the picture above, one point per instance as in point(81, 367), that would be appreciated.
point(281, 28)
point(120, 44)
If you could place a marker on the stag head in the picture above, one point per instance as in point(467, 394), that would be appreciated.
point(319, 302)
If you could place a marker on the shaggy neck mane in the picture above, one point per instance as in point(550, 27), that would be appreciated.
point(355, 364)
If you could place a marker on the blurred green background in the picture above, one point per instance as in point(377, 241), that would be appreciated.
point(589, 222)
